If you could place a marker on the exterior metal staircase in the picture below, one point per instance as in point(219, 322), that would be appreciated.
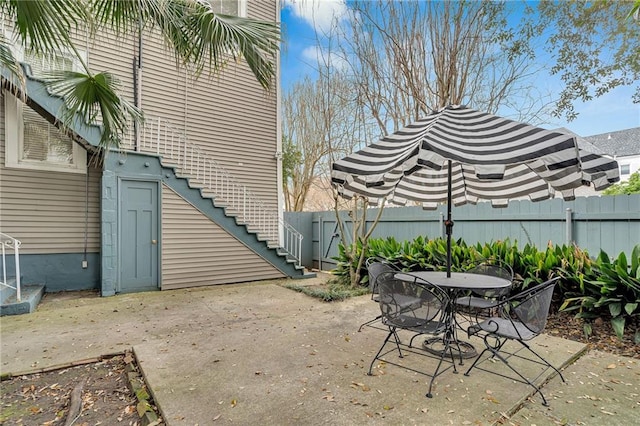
point(159, 137)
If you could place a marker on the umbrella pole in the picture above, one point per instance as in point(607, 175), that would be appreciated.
point(449, 223)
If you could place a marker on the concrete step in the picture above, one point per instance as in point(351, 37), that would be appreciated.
point(6, 291)
point(30, 297)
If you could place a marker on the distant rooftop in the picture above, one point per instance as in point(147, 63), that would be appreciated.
point(582, 142)
point(621, 143)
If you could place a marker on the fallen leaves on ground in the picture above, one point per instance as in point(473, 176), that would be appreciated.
point(43, 398)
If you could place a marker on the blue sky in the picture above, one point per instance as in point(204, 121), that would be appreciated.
point(611, 112)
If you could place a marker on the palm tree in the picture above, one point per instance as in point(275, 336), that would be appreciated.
point(200, 38)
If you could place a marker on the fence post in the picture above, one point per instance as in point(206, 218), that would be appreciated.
point(568, 226)
point(320, 242)
point(441, 223)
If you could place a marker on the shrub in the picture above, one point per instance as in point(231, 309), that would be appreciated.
point(592, 287)
point(611, 287)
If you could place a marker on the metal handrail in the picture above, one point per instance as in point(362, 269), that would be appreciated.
point(7, 241)
point(158, 136)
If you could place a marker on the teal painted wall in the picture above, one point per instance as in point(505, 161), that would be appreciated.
point(58, 272)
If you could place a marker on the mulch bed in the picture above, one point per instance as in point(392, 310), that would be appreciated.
point(106, 392)
point(602, 338)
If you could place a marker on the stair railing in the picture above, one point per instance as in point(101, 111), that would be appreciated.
point(158, 136)
point(10, 243)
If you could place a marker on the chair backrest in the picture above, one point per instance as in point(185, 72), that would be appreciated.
point(494, 268)
point(418, 302)
point(374, 269)
point(531, 307)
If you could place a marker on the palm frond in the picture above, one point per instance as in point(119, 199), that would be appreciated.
point(9, 62)
point(94, 98)
point(44, 26)
point(126, 16)
point(197, 34)
point(214, 37)
point(206, 39)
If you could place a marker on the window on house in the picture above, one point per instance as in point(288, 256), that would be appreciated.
point(230, 7)
point(625, 169)
point(31, 141)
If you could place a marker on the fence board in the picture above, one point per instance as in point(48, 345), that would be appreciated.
point(609, 223)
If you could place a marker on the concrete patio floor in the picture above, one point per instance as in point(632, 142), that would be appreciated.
point(258, 352)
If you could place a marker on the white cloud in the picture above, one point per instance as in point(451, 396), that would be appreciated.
point(319, 14)
point(316, 55)
point(311, 53)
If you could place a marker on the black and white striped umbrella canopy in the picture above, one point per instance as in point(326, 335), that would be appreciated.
point(458, 155)
point(492, 158)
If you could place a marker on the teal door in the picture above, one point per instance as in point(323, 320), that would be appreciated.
point(138, 236)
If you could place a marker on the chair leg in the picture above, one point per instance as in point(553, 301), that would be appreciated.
point(495, 353)
point(525, 380)
point(392, 332)
point(543, 360)
point(369, 322)
point(475, 362)
point(447, 348)
point(395, 336)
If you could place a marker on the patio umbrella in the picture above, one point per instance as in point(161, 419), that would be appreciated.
point(459, 155)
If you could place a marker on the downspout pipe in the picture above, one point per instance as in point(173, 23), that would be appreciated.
point(137, 83)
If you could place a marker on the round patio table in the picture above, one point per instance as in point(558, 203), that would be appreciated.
point(458, 281)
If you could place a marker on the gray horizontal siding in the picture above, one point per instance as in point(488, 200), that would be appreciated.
point(114, 54)
point(46, 210)
point(227, 114)
point(233, 123)
point(163, 82)
point(263, 10)
point(197, 252)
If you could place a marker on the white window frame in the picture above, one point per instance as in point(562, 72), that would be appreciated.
point(242, 8)
point(14, 135)
point(14, 143)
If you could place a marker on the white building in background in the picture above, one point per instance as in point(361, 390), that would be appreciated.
point(623, 146)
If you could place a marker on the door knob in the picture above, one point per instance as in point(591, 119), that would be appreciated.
point(154, 241)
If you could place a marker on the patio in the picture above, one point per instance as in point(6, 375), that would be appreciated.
point(257, 351)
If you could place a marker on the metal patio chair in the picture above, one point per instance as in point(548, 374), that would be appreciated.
point(523, 317)
point(482, 302)
point(427, 315)
point(376, 267)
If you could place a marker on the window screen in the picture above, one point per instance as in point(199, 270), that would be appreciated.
point(43, 141)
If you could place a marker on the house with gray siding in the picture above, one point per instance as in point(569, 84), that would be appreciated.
point(623, 146)
point(193, 198)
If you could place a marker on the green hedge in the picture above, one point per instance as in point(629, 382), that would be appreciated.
point(593, 288)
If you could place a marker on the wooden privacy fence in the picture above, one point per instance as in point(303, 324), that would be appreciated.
point(609, 223)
